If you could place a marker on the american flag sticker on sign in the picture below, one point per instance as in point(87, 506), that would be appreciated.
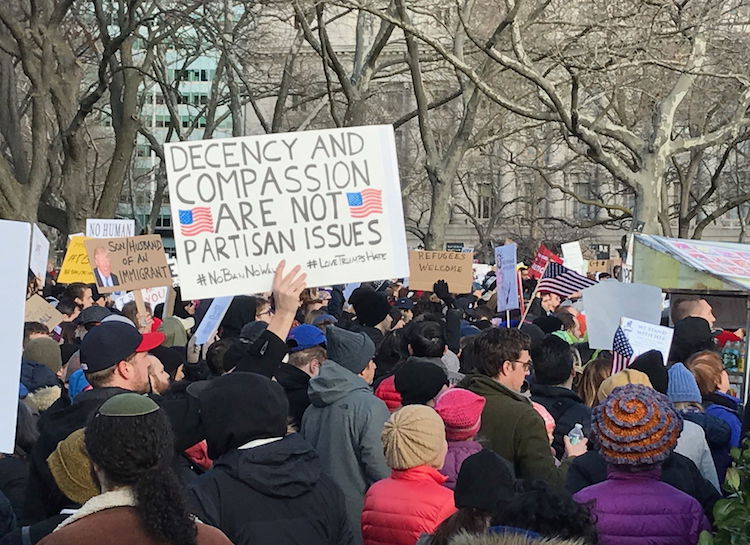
point(364, 203)
point(196, 220)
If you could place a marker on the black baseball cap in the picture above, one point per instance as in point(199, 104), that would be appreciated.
point(93, 314)
point(109, 343)
point(404, 303)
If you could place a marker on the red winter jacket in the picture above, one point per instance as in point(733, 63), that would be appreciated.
point(406, 505)
point(387, 392)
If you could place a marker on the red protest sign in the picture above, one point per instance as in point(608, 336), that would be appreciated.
point(543, 255)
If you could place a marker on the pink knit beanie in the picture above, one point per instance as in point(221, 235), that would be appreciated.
point(461, 410)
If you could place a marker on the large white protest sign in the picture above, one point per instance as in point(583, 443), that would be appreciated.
point(39, 255)
point(643, 337)
point(211, 321)
point(97, 228)
point(328, 200)
point(16, 237)
point(607, 302)
point(507, 279)
point(573, 257)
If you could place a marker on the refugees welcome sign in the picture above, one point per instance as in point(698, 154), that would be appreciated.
point(327, 200)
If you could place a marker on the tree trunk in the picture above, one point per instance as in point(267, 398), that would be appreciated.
point(439, 211)
point(648, 205)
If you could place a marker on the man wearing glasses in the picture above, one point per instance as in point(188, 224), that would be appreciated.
point(510, 425)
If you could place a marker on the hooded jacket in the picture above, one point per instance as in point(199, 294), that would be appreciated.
point(404, 506)
point(566, 408)
point(274, 493)
point(344, 423)
point(725, 407)
point(677, 471)
point(635, 508)
point(35, 375)
point(515, 431)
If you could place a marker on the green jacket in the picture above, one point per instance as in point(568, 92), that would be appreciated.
point(514, 430)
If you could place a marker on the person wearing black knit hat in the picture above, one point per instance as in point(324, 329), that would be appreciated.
point(266, 486)
point(419, 381)
point(372, 310)
point(485, 479)
point(652, 364)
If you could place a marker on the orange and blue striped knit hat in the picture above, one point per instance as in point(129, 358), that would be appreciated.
point(636, 425)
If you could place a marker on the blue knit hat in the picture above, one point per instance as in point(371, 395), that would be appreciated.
point(682, 386)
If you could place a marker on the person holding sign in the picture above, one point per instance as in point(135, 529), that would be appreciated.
point(103, 271)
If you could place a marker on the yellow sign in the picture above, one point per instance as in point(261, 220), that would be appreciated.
point(75, 267)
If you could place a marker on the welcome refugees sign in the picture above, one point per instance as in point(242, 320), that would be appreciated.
point(327, 200)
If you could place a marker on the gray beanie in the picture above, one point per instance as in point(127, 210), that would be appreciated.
point(350, 350)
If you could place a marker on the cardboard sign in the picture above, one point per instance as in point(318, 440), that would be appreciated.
point(644, 336)
point(97, 228)
point(39, 255)
point(124, 264)
point(39, 310)
point(75, 266)
point(507, 278)
point(543, 255)
point(607, 302)
point(426, 268)
point(600, 266)
point(16, 237)
point(211, 321)
point(329, 201)
point(573, 257)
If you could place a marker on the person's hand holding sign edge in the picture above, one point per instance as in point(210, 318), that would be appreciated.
point(286, 295)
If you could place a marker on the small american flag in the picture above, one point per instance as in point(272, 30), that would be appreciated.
point(364, 203)
point(622, 352)
point(562, 281)
point(196, 220)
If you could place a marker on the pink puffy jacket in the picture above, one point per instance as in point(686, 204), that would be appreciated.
point(404, 506)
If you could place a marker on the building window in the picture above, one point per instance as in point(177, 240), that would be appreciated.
point(202, 122)
point(159, 98)
point(486, 200)
point(204, 100)
point(583, 211)
point(185, 122)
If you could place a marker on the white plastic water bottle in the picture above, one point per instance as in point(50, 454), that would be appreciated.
point(576, 434)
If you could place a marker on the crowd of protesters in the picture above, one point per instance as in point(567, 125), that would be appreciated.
point(388, 417)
